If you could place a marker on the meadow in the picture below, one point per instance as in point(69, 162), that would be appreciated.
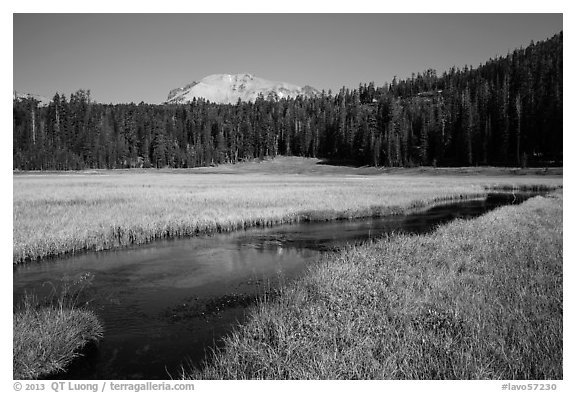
point(68, 212)
point(477, 299)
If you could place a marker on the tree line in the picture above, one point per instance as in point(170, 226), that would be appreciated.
point(506, 112)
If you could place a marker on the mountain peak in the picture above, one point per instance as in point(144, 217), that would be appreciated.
point(229, 88)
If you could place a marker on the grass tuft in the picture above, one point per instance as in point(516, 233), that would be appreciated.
point(49, 333)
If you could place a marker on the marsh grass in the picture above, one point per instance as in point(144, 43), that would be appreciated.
point(477, 299)
point(49, 333)
point(55, 214)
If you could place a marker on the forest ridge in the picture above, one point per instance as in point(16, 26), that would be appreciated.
point(505, 112)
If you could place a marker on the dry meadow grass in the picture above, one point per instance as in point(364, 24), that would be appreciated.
point(57, 213)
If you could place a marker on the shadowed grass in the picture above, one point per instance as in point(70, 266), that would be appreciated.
point(478, 299)
point(63, 213)
point(49, 334)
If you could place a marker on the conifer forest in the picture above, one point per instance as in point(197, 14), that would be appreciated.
point(506, 112)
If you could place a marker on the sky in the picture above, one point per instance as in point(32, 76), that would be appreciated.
point(124, 58)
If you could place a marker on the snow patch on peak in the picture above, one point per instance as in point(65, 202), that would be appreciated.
point(229, 88)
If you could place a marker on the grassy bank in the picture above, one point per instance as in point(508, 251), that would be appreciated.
point(49, 333)
point(57, 213)
point(478, 299)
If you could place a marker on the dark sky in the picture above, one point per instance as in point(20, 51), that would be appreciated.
point(140, 57)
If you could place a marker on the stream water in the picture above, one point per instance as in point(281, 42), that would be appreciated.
point(169, 302)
